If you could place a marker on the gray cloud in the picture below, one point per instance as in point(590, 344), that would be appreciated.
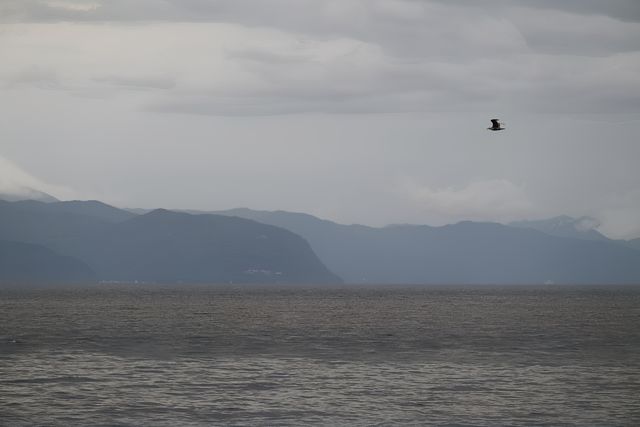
point(14, 181)
point(625, 10)
point(400, 25)
point(224, 69)
point(325, 105)
point(558, 32)
point(40, 77)
point(137, 82)
point(260, 11)
point(492, 200)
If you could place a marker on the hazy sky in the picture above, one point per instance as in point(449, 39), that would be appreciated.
point(367, 111)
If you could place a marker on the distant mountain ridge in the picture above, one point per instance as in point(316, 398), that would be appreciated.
point(164, 246)
point(26, 193)
point(26, 264)
point(565, 226)
point(286, 247)
point(467, 252)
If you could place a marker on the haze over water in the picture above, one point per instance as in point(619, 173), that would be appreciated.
point(247, 355)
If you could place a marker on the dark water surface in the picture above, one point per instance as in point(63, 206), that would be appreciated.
point(336, 356)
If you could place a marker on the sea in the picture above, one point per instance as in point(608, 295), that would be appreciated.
point(232, 355)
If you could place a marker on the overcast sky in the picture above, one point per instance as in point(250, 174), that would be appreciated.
point(359, 111)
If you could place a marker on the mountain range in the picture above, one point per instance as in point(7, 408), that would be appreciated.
point(93, 241)
point(25, 263)
point(467, 252)
point(160, 246)
point(21, 192)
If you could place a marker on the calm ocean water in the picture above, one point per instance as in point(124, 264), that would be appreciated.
point(196, 356)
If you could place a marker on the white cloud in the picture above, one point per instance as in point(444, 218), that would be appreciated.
point(16, 182)
point(619, 219)
point(563, 33)
point(328, 56)
point(137, 82)
point(40, 77)
point(75, 6)
point(224, 69)
point(490, 200)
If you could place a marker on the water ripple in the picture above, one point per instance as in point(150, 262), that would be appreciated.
point(362, 356)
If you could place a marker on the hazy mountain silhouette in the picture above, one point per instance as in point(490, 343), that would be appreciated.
point(36, 222)
point(92, 208)
point(466, 252)
point(26, 193)
point(164, 246)
point(579, 228)
point(169, 246)
point(29, 264)
point(565, 226)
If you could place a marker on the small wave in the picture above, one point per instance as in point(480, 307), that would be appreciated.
point(50, 380)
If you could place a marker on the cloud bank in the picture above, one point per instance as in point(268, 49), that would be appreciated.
point(17, 183)
point(490, 200)
point(320, 105)
point(330, 56)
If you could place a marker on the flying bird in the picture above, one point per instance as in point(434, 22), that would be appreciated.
point(495, 125)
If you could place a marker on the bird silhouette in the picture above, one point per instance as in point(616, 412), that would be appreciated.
point(495, 125)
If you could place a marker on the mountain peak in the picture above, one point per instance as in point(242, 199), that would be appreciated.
point(26, 193)
point(565, 226)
